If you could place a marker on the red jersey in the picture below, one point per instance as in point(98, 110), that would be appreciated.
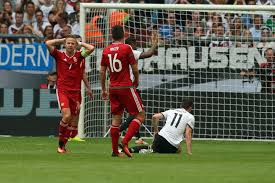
point(117, 57)
point(69, 70)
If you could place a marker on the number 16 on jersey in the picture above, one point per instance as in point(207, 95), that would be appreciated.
point(115, 64)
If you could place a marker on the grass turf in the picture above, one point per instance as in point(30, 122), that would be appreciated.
point(34, 160)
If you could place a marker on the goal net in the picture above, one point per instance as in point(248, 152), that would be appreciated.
point(218, 55)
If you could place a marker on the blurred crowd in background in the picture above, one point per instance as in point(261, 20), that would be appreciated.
point(48, 19)
point(43, 20)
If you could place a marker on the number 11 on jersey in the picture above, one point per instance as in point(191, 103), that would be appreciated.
point(113, 66)
point(177, 124)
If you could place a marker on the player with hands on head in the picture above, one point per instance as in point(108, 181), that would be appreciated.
point(118, 58)
point(88, 89)
point(70, 67)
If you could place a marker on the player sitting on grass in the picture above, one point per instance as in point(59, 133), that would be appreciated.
point(168, 139)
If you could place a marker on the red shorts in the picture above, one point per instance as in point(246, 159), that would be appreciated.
point(69, 100)
point(128, 99)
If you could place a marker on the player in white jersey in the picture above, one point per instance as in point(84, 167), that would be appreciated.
point(178, 123)
point(139, 55)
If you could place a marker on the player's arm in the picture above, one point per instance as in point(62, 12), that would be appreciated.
point(188, 140)
point(152, 50)
point(87, 85)
point(247, 73)
point(136, 74)
point(88, 49)
point(103, 70)
point(54, 42)
point(155, 121)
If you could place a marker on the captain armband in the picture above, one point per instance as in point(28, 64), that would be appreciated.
point(84, 53)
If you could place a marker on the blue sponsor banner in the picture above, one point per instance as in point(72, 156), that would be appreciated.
point(25, 57)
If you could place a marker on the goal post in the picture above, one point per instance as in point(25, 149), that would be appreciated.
point(214, 54)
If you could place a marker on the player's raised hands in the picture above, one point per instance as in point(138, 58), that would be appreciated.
point(154, 37)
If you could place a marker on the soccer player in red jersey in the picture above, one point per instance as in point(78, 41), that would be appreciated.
point(118, 58)
point(70, 65)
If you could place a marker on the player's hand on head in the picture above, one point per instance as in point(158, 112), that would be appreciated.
point(63, 39)
point(104, 95)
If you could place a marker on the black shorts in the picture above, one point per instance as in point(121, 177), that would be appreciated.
point(161, 145)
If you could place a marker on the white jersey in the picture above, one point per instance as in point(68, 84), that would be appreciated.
point(176, 122)
point(136, 55)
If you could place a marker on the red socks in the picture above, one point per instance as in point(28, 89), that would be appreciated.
point(62, 133)
point(65, 132)
point(132, 130)
point(73, 131)
point(114, 132)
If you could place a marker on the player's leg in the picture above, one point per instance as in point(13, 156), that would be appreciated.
point(73, 129)
point(62, 130)
point(115, 133)
point(66, 118)
point(134, 106)
point(132, 130)
point(117, 110)
point(73, 126)
point(137, 149)
point(126, 123)
point(137, 135)
point(156, 142)
point(161, 145)
point(139, 139)
point(75, 101)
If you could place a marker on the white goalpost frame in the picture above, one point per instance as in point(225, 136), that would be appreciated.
point(183, 7)
point(82, 109)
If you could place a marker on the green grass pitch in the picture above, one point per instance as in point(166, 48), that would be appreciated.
point(34, 160)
